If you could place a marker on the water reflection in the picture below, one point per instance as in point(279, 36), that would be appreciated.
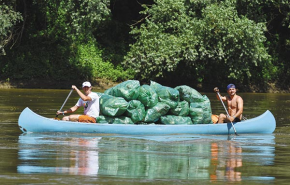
point(82, 162)
point(226, 168)
point(150, 157)
point(75, 156)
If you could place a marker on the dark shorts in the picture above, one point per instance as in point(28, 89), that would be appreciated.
point(237, 120)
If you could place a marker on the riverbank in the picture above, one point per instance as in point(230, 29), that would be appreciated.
point(98, 84)
point(103, 84)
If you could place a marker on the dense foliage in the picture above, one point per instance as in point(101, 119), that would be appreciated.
point(58, 42)
point(276, 15)
point(8, 19)
point(209, 40)
point(180, 41)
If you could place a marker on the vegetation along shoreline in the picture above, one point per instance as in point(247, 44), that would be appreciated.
point(103, 84)
point(202, 44)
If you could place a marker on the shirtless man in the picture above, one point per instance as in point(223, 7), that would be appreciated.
point(235, 105)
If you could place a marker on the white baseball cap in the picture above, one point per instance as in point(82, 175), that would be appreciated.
point(87, 84)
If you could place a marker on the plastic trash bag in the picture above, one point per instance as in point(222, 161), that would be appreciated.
point(129, 90)
point(147, 96)
point(167, 95)
point(112, 106)
point(135, 110)
point(153, 114)
point(175, 120)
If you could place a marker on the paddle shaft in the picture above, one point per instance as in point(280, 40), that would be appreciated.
point(227, 111)
point(65, 101)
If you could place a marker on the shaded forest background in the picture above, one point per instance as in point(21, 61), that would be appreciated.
point(52, 44)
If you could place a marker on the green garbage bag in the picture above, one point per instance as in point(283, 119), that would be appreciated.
point(127, 90)
point(167, 95)
point(114, 120)
point(105, 98)
point(99, 94)
point(196, 115)
point(206, 103)
point(113, 106)
point(101, 119)
point(182, 109)
point(175, 120)
point(207, 118)
point(153, 114)
point(135, 110)
point(189, 94)
point(206, 111)
point(155, 85)
point(147, 96)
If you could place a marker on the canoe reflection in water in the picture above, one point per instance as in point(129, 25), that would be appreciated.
point(226, 167)
point(84, 161)
point(146, 157)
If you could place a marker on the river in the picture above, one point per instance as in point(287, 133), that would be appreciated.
point(63, 158)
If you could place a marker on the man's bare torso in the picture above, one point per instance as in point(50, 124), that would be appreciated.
point(233, 107)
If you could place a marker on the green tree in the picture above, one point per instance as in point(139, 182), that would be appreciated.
point(8, 19)
point(276, 14)
point(203, 40)
point(72, 19)
point(59, 44)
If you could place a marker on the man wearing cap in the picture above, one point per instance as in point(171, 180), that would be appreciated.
point(235, 105)
point(89, 100)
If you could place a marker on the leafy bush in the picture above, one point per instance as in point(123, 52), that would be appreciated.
point(206, 37)
point(9, 17)
point(89, 59)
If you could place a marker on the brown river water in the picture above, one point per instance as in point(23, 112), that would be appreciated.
point(76, 158)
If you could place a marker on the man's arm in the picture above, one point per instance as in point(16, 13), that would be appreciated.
point(71, 110)
point(83, 97)
point(216, 90)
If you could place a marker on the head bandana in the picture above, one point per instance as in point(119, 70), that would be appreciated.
point(231, 86)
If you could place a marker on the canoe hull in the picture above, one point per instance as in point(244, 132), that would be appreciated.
point(31, 122)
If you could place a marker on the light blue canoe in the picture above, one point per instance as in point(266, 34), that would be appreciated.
point(31, 122)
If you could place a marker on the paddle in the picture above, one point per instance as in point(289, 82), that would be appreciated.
point(227, 112)
point(56, 117)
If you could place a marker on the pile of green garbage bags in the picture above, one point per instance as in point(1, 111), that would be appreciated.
point(132, 103)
